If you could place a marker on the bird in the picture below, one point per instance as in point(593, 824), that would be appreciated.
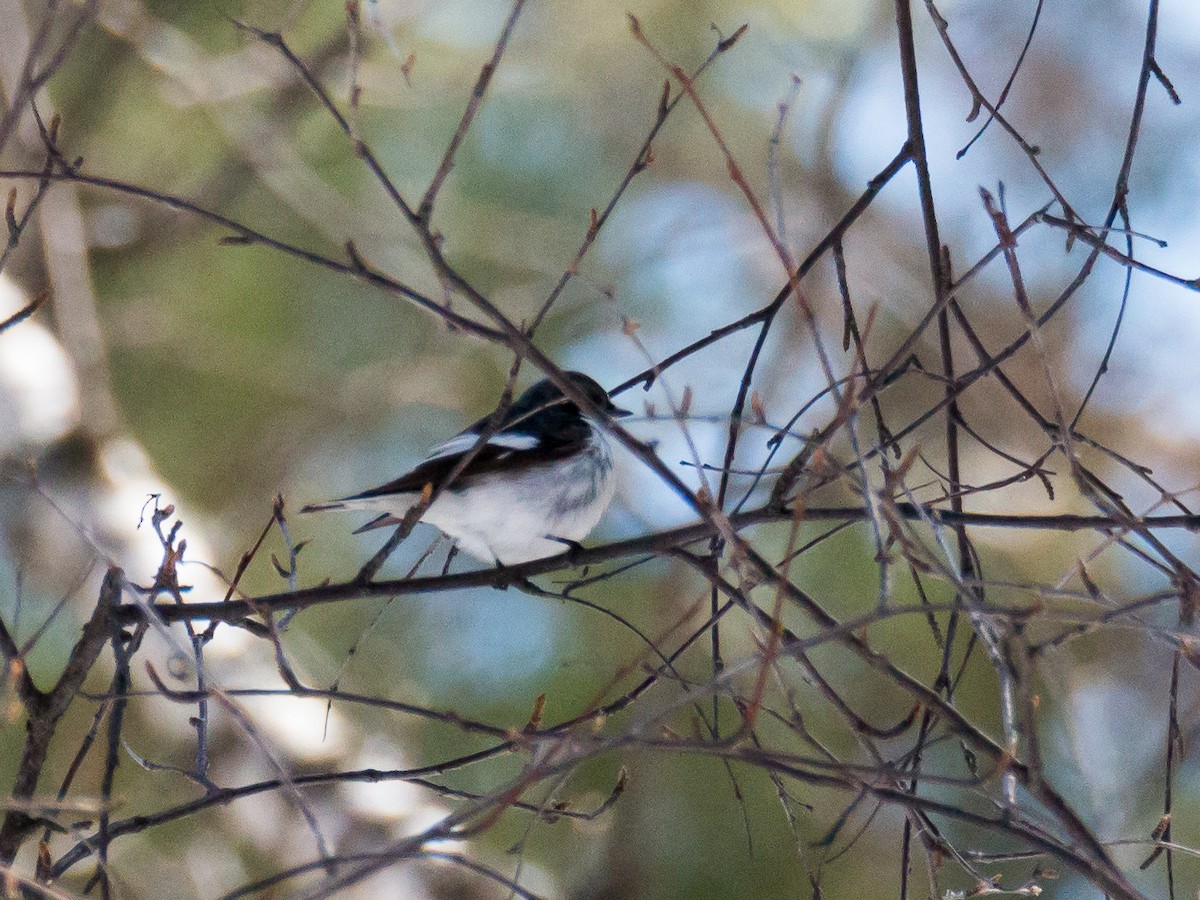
point(535, 488)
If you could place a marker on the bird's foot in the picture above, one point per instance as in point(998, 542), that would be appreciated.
point(503, 577)
point(574, 548)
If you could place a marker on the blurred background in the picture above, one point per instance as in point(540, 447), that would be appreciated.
point(219, 376)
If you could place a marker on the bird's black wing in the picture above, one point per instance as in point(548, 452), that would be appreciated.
point(505, 451)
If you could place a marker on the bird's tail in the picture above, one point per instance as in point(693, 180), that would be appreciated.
point(321, 507)
point(378, 522)
point(382, 521)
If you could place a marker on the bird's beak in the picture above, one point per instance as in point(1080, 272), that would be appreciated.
point(616, 412)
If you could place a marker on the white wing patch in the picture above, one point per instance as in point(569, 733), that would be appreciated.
point(462, 443)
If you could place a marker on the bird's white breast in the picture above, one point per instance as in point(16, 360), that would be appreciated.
point(512, 517)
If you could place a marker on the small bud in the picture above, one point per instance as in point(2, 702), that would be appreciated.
point(732, 39)
point(686, 405)
point(760, 411)
point(535, 717)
